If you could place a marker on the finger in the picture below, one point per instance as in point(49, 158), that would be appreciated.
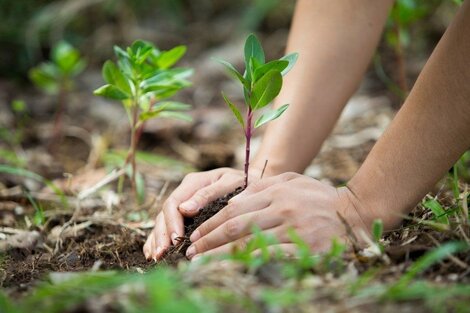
point(161, 237)
point(173, 218)
point(262, 184)
point(226, 184)
point(234, 230)
point(278, 232)
point(234, 209)
point(149, 246)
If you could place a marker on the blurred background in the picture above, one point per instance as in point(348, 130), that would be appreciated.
point(30, 29)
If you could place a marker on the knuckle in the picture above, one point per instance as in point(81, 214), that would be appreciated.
point(232, 228)
point(228, 211)
point(204, 194)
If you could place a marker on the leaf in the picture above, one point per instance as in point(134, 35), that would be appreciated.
point(46, 77)
point(171, 106)
point(292, 59)
point(112, 75)
point(439, 213)
point(111, 92)
point(140, 50)
point(427, 260)
point(234, 73)
point(177, 115)
point(278, 65)
point(67, 58)
point(270, 115)
point(253, 49)
point(31, 175)
point(168, 58)
point(235, 111)
point(377, 230)
point(266, 89)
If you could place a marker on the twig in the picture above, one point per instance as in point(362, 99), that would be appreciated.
point(454, 259)
point(106, 180)
point(264, 168)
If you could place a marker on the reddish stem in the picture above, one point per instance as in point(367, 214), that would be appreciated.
point(57, 132)
point(248, 134)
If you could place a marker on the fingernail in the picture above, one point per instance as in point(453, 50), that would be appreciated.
point(189, 206)
point(190, 252)
point(195, 236)
point(174, 239)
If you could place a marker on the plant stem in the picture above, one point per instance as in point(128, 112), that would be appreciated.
point(57, 132)
point(248, 133)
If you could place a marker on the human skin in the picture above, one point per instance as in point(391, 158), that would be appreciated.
point(334, 55)
point(426, 137)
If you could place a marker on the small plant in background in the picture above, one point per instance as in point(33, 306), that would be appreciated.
point(261, 83)
point(56, 77)
point(141, 79)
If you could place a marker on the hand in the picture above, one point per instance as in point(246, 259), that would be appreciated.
point(275, 205)
point(195, 191)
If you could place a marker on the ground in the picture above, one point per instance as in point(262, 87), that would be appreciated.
point(69, 243)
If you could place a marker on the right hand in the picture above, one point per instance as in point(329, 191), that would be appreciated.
point(195, 191)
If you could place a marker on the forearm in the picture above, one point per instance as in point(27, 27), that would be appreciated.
point(335, 41)
point(428, 134)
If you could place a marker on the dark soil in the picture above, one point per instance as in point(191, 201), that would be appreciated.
point(178, 252)
point(115, 247)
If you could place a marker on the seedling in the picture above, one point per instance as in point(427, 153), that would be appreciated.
point(56, 77)
point(141, 79)
point(261, 83)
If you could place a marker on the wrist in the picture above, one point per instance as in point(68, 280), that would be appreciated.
point(370, 206)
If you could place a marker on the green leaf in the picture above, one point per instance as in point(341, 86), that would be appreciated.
point(171, 106)
point(292, 59)
point(140, 187)
point(270, 115)
point(112, 75)
point(46, 77)
point(67, 58)
point(377, 230)
point(253, 49)
point(140, 50)
point(266, 89)
point(278, 65)
point(177, 115)
point(168, 58)
point(439, 213)
point(31, 175)
point(234, 73)
point(429, 259)
point(111, 92)
point(235, 111)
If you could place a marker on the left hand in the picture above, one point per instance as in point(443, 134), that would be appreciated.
point(277, 204)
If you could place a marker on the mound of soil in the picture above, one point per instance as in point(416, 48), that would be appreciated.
point(178, 252)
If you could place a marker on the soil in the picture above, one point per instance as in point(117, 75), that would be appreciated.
point(102, 246)
point(178, 252)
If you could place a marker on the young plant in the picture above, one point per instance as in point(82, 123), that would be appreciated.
point(261, 83)
point(56, 77)
point(141, 79)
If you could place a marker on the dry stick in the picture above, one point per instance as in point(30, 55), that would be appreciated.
point(109, 178)
point(454, 259)
point(106, 180)
point(264, 168)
